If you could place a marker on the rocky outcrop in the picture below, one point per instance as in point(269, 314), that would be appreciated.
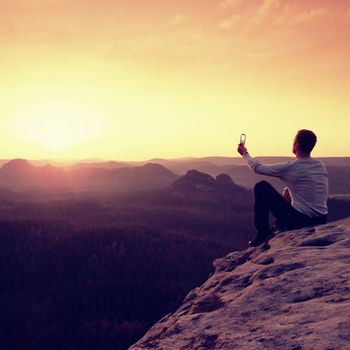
point(194, 181)
point(292, 293)
point(200, 187)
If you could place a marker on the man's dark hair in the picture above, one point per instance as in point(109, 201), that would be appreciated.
point(306, 140)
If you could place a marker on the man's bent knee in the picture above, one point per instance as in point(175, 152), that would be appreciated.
point(261, 186)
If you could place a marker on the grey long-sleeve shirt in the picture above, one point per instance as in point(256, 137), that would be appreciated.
point(306, 179)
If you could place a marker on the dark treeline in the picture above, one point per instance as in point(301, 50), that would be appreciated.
point(91, 274)
point(89, 289)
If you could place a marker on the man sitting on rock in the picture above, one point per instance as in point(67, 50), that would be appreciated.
point(307, 183)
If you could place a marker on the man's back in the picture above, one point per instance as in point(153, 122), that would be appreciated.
point(307, 180)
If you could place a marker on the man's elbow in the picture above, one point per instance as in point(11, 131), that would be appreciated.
point(255, 169)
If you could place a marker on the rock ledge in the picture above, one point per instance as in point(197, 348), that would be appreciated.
point(292, 294)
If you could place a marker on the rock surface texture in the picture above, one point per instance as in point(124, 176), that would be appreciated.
point(292, 293)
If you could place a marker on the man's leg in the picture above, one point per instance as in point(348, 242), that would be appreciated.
point(267, 199)
point(261, 208)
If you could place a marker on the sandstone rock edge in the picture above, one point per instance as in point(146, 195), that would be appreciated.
point(292, 293)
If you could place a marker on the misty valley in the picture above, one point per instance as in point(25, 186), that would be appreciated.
point(93, 254)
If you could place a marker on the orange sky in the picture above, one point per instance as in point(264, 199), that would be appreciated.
point(159, 78)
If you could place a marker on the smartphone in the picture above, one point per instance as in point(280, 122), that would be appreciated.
point(242, 139)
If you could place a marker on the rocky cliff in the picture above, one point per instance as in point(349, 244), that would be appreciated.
point(292, 293)
point(203, 188)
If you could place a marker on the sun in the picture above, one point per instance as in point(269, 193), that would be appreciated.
point(56, 126)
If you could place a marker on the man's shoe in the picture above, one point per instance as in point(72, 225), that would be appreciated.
point(256, 241)
point(259, 239)
point(277, 229)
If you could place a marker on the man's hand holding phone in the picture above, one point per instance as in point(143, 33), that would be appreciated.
point(241, 146)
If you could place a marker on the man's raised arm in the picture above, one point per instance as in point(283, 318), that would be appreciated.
point(277, 169)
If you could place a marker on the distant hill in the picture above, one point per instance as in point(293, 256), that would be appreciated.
point(19, 174)
point(123, 176)
point(219, 164)
point(200, 165)
point(127, 179)
point(104, 165)
point(3, 161)
point(339, 179)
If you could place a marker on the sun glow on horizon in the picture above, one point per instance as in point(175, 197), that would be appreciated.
point(55, 126)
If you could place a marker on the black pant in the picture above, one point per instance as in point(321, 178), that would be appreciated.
point(267, 200)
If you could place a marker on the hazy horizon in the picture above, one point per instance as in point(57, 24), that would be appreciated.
point(214, 160)
point(57, 156)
